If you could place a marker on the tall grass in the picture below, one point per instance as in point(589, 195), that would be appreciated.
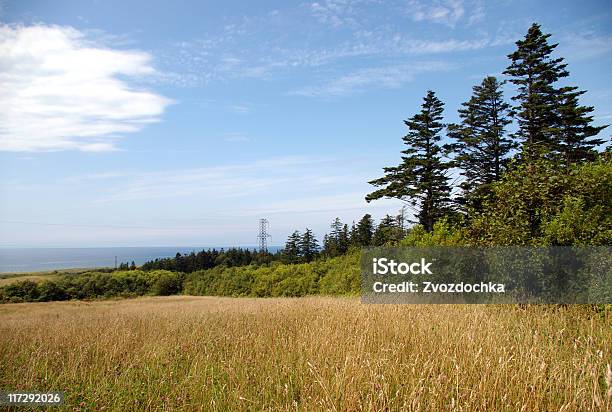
point(201, 353)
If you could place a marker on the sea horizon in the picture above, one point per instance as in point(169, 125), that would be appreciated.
point(36, 259)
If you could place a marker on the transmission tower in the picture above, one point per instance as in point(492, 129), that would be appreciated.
point(263, 235)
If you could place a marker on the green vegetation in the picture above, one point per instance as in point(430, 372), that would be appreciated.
point(337, 276)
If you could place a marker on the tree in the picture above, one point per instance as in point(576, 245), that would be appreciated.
point(344, 239)
point(291, 252)
point(353, 234)
point(337, 242)
point(364, 231)
point(387, 231)
point(576, 142)
point(421, 178)
point(534, 71)
point(481, 147)
point(402, 219)
point(309, 246)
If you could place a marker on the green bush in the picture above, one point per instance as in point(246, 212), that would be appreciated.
point(545, 204)
point(167, 283)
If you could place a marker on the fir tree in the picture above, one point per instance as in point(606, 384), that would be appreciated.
point(364, 231)
point(535, 72)
point(481, 147)
point(337, 242)
point(291, 252)
point(402, 219)
point(421, 177)
point(344, 239)
point(387, 231)
point(577, 140)
point(309, 246)
point(353, 234)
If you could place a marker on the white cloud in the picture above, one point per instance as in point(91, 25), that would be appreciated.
point(216, 182)
point(447, 12)
point(61, 92)
point(236, 138)
point(388, 77)
point(585, 45)
point(240, 108)
point(333, 12)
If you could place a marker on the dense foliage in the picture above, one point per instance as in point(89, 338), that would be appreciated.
point(95, 285)
point(338, 276)
point(208, 259)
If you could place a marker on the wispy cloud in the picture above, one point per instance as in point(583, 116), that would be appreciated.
point(334, 12)
point(585, 45)
point(240, 108)
point(381, 77)
point(60, 92)
point(215, 182)
point(231, 53)
point(447, 12)
point(236, 138)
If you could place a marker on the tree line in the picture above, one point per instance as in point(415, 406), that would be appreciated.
point(304, 247)
point(208, 259)
point(554, 138)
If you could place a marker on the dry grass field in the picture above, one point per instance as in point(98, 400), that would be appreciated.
point(204, 353)
point(33, 278)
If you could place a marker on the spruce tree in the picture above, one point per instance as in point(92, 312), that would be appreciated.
point(353, 234)
point(387, 231)
point(337, 242)
point(577, 141)
point(344, 239)
point(535, 72)
point(309, 246)
point(291, 252)
point(421, 178)
point(481, 146)
point(364, 231)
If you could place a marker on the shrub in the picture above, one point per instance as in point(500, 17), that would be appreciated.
point(167, 283)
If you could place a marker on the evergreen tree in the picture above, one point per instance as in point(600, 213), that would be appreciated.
point(421, 177)
point(309, 246)
point(402, 219)
point(353, 234)
point(336, 243)
point(364, 231)
point(535, 72)
point(387, 231)
point(576, 134)
point(481, 146)
point(344, 239)
point(291, 252)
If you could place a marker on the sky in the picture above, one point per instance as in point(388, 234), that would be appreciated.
point(181, 123)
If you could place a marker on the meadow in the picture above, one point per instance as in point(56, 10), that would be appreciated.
point(309, 353)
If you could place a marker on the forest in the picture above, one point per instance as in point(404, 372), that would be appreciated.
point(528, 170)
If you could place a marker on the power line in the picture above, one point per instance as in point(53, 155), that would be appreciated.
point(263, 235)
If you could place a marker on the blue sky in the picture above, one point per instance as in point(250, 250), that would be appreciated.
point(182, 123)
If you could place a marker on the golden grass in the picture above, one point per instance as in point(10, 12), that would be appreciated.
point(203, 353)
point(40, 276)
point(33, 278)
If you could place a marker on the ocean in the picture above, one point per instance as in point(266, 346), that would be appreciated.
point(41, 259)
